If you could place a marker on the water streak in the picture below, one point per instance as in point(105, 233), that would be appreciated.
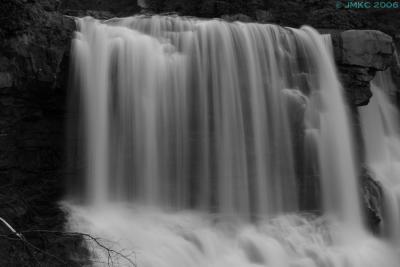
point(381, 131)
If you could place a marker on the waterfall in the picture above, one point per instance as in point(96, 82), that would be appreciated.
point(202, 143)
point(381, 131)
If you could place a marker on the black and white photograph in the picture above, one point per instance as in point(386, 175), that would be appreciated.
point(199, 133)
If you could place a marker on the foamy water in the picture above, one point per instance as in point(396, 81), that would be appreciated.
point(191, 239)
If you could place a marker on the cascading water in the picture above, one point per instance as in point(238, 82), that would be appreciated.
point(381, 131)
point(201, 138)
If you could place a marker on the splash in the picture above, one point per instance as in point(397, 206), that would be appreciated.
point(195, 239)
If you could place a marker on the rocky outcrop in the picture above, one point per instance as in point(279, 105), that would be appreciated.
point(34, 52)
point(359, 54)
point(366, 48)
point(373, 199)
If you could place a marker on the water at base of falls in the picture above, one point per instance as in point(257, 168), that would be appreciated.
point(155, 238)
point(200, 142)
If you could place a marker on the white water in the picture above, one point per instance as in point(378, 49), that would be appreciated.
point(197, 126)
point(194, 239)
point(381, 131)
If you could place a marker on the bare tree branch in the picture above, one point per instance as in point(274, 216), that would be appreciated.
point(19, 237)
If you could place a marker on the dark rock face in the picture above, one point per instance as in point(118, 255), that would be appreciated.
point(366, 48)
point(33, 72)
point(356, 81)
point(359, 54)
point(373, 200)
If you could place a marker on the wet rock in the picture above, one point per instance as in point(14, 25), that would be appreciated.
point(356, 81)
point(359, 54)
point(372, 199)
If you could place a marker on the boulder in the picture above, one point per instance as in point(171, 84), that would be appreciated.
point(366, 48)
point(372, 193)
point(359, 54)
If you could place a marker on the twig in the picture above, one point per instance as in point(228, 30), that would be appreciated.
point(29, 244)
point(10, 227)
point(20, 237)
point(94, 239)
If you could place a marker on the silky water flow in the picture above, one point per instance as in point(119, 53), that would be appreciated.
point(203, 142)
point(380, 122)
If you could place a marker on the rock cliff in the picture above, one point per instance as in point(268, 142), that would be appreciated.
point(33, 72)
